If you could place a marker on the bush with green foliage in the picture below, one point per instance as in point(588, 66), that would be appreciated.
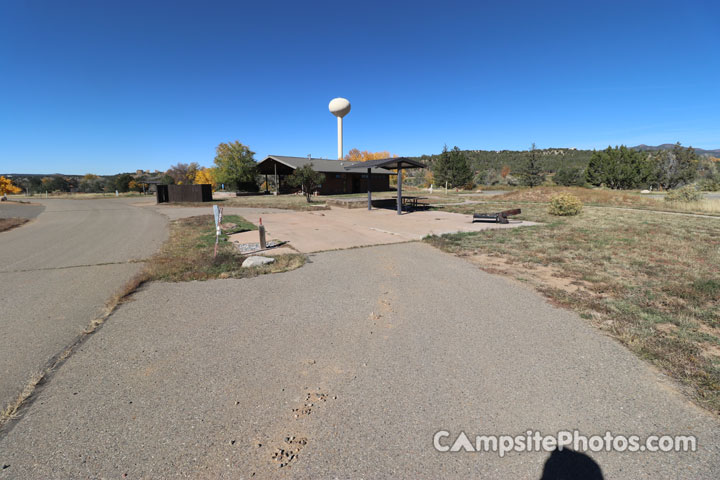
point(711, 184)
point(565, 204)
point(570, 177)
point(688, 193)
point(675, 167)
point(56, 183)
point(306, 178)
point(235, 164)
point(620, 168)
point(92, 184)
point(121, 182)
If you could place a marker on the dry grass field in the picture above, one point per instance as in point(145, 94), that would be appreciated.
point(188, 253)
point(78, 196)
point(650, 279)
point(288, 202)
point(613, 198)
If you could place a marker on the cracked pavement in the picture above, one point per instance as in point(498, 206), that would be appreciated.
point(59, 270)
point(345, 368)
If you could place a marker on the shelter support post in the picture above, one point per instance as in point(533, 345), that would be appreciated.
point(399, 191)
point(369, 190)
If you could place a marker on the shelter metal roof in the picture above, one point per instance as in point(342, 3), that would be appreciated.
point(387, 163)
point(319, 164)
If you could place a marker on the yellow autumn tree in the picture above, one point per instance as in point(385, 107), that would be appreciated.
point(355, 155)
point(206, 176)
point(136, 185)
point(429, 178)
point(6, 186)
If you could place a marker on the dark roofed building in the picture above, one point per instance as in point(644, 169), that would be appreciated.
point(338, 180)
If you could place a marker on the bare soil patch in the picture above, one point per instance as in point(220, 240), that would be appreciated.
point(10, 223)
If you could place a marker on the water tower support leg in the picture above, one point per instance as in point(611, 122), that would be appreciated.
point(340, 145)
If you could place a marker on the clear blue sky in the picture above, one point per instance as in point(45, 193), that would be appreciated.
point(109, 86)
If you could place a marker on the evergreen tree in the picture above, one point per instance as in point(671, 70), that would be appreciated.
point(531, 174)
point(620, 168)
point(676, 167)
point(595, 172)
point(570, 177)
point(452, 167)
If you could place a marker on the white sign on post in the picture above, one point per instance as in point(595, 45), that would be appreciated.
point(217, 212)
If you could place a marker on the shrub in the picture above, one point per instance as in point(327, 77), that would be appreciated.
point(570, 177)
point(306, 178)
point(688, 193)
point(469, 186)
point(565, 204)
point(711, 184)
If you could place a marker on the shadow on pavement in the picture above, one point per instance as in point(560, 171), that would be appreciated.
point(569, 465)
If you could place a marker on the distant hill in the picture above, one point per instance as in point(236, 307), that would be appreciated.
point(550, 159)
point(487, 164)
point(42, 175)
point(669, 146)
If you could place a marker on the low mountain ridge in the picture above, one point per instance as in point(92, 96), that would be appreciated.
point(668, 146)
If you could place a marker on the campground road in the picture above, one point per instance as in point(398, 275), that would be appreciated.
point(20, 210)
point(57, 273)
point(353, 362)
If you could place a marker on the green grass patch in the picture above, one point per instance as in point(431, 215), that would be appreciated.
point(188, 253)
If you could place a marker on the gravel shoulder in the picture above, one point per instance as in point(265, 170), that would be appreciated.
point(352, 362)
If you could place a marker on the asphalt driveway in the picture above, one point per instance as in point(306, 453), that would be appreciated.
point(57, 273)
point(350, 364)
point(20, 210)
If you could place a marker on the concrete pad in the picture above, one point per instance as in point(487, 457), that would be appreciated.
point(274, 252)
point(251, 236)
point(341, 228)
point(174, 212)
point(254, 237)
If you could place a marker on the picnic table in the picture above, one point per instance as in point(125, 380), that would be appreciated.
point(414, 203)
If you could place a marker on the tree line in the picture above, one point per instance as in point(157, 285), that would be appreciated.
point(234, 166)
point(617, 167)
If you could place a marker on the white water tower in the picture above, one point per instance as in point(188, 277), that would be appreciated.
point(339, 107)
